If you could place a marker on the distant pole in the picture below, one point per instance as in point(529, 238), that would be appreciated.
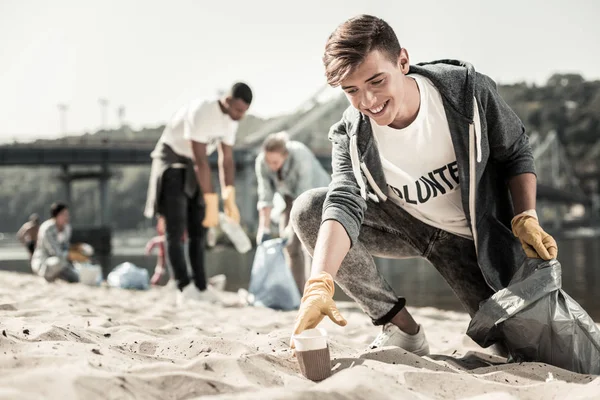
point(121, 115)
point(62, 109)
point(103, 112)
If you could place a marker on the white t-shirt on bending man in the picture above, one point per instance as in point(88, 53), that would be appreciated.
point(201, 121)
point(420, 166)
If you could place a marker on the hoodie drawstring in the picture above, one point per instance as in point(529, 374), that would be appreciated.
point(354, 158)
point(476, 126)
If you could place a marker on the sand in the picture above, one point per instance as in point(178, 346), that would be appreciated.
point(61, 341)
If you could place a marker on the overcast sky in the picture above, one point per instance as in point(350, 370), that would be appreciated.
point(152, 56)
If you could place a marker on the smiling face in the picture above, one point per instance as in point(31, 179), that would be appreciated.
point(380, 89)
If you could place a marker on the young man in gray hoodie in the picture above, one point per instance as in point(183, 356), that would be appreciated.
point(429, 161)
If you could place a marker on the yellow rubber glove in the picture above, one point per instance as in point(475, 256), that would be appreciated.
point(229, 206)
point(211, 216)
point(317, 302)
point(535, 242)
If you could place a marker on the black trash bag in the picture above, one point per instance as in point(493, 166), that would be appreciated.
point(538, 321)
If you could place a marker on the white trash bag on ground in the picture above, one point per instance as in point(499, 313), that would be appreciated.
point(128, 276)
point(89, 274)
point(271, 282)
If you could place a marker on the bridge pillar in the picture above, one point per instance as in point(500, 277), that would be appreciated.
point(104, 214)
point(246, 188)
point(102, 217)
point(66, 185)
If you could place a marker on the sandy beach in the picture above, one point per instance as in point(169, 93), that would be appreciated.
point(61, 341)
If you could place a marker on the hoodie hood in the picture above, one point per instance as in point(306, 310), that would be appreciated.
point(455, 81)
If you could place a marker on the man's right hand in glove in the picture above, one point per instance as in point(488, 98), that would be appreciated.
point(211, 216)
point(317, 302)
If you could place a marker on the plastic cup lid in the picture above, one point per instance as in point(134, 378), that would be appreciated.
point(310, 339)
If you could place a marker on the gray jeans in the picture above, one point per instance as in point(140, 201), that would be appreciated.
point(390, 232)
point(297, 258)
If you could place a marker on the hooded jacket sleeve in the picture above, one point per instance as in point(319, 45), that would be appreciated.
point(509, 145)
point(343, 203)
point(266, 190)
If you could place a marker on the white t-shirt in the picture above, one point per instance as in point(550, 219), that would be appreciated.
point(201, 121)
point(420, 166)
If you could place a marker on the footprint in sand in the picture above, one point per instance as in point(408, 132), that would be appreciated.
point(147, 348)
point(57, 333)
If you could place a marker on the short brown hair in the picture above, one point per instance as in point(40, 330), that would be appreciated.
point(276, 143)
point(352, 41)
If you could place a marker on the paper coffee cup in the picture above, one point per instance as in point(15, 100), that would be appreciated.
point(312, 352)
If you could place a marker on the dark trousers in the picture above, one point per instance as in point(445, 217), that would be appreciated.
point(181, 212)
point(30, 246)
point(69, 274)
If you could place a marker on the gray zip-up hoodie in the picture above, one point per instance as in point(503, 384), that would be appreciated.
point(490, 145)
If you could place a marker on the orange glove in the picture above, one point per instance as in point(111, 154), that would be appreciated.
point(211, 216)
point(80, 252)
point(535, 242)
point(317, 302)
point(76, 256)
point(229, 206)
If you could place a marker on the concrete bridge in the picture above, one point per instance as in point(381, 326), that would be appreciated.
point(557, 182)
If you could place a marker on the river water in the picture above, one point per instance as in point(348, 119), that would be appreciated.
point(414, 279)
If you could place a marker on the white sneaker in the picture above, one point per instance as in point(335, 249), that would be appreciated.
point(391, 335)
point(190, 293)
